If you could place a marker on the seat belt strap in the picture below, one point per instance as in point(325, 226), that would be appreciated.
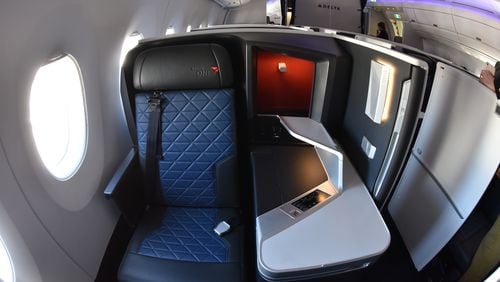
point(153, 139)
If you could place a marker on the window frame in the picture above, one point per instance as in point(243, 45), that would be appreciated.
point(3, 246)
point(77, 166)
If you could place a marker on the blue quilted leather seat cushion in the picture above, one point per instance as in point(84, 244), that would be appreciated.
point(186, 234)
point(179, 244)
point(197, 133)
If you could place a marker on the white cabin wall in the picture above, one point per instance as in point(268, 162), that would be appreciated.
point(27, 239)
point(254, 13)
point(65, 226)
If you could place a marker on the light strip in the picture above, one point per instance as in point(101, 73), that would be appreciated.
point(405, 93)
point(390, 89)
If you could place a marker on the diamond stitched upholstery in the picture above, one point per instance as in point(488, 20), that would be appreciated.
point(186, 234)
point(197, 133)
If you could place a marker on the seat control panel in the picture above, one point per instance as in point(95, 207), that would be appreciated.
point(310, 200)
point(304, 203)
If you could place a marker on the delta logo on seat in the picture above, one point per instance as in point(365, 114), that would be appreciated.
point(203, 72)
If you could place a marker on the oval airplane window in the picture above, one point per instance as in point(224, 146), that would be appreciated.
point(6, 267)
point(58, 117)
point(129, 43)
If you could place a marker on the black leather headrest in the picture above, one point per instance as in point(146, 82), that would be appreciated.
point(181, 67)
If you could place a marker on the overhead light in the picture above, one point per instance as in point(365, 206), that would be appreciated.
point(170, 30)
point(188, 29)
point(288, 17)
point(282, 67)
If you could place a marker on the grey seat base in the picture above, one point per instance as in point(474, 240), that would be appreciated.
point(132, 269)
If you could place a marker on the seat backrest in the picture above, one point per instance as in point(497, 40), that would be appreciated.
point(198, 167)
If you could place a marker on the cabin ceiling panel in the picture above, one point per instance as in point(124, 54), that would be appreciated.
point(490, 20)
point(436, 19)
point(481, 32)
point(436, 6)
point(434, 31)
point(471, 28)
point(473, 61)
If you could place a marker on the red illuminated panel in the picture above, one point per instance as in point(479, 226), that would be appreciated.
point(283, 92)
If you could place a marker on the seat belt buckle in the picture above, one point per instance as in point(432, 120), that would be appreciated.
point(222, 228)
point(154, 102)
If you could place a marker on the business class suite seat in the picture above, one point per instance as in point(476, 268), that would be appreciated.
point(193, 182)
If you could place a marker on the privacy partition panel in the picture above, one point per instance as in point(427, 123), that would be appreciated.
point(368, 132)
point(454, 158)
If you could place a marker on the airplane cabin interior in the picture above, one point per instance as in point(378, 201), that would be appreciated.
point(250, 140)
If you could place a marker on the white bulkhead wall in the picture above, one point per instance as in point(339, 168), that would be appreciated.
point(253, 12)
point(58, 231)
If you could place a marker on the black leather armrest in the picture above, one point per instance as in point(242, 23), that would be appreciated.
point(125, 188)
point(119, 175)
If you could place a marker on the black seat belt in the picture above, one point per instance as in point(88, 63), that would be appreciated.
point(153, 140)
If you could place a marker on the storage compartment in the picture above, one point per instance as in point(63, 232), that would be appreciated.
point(434, 32)
point(284, 84)
point(410, 14)
point(428, 6)
point(436, 19)
point(478, 31)
point(474, 16)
